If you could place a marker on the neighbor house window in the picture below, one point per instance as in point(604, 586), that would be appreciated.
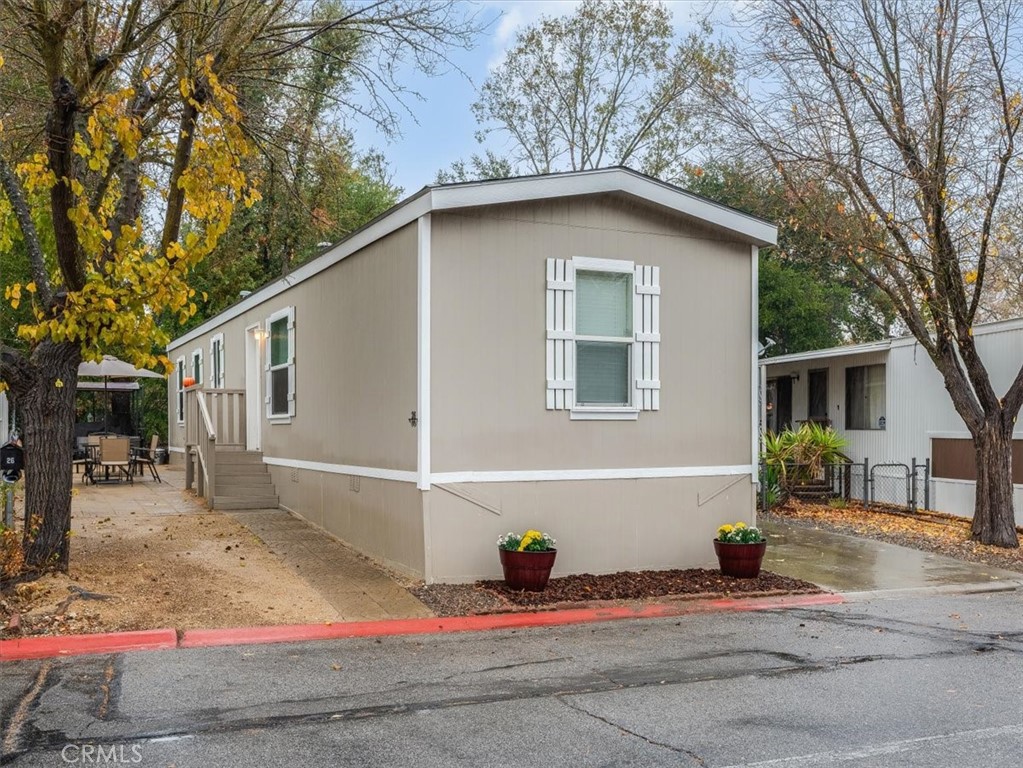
point(179, 377)
point(217, 361)
point(603, 338)
point(197, 366)
point(280, 364)
point(865, 397)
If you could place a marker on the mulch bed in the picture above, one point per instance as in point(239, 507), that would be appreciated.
point(935, 532)
point(585, 588)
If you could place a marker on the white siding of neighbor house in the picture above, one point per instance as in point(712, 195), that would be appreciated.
point(917, 408)
point(4, 418)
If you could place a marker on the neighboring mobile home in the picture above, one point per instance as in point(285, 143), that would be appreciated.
point(890, 403)
point(573, 352)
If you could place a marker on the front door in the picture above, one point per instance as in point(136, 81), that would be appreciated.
point(253, 398)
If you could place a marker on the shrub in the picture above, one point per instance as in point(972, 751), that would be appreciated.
point(801, 455)
point(12, 556)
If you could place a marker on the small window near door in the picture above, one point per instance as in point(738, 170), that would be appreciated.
point(217, 361)
point(179, 379)
point(865, 397)
point(197, 366)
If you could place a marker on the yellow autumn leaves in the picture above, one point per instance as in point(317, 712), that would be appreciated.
point(128, 283)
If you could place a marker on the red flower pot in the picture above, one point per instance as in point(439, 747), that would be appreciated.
point(740, 560)
point(527, 570)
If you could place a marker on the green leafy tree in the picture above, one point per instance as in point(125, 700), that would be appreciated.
point(810, 298)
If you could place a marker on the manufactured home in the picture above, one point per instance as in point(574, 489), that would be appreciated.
point(889, 402)
point(573, 352)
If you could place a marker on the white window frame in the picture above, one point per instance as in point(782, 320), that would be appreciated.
point(217, 377)
point(628, 412)
point(874, 426)
point(179, 403)
point(285, 417)
point(198, 367)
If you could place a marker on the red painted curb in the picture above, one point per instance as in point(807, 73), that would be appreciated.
point(199, 638)
point(159, 639)
point(74, 645)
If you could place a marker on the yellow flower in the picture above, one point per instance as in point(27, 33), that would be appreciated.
point(740, 524)
point(528, 538)
point(724, 529)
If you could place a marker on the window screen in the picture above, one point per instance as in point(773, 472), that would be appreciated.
point(603, 338)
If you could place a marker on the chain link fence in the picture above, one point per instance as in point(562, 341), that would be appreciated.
point(891, 484)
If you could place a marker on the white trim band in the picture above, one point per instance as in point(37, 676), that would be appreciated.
point(514, 476)
point(627, 473)
point(401, 475)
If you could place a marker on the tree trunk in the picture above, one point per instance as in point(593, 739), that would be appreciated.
point(46, 410)
point(993, 517)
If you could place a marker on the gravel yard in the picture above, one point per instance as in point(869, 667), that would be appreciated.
point(585, 588)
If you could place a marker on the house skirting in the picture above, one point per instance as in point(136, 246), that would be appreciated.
point(449, 533)
point(601, 526)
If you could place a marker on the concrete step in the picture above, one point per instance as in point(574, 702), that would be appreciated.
point(227, 488)
point(245, 502)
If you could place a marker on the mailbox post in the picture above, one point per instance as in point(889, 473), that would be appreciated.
point(12, 461)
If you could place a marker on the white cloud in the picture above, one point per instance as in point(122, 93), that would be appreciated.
point(516, 14)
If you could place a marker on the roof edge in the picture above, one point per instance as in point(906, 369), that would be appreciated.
point(983, 329)
point(446, 197)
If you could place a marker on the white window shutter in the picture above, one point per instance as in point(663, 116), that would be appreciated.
point(291, 361)
point(267, 382)
point(646, 364)
point(560, 334)
point(222, 381)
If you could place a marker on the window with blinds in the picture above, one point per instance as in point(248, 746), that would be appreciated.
point(603, 338)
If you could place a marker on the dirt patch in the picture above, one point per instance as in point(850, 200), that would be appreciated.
point(159, 560)
point(585, 588)
point(929, 531)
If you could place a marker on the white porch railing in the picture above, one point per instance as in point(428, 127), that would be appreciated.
point(214, 418)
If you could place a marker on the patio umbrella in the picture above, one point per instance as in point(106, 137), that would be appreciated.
point(113, 368)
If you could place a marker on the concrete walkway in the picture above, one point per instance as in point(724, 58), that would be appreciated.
point(358, 588)
point(844, 563)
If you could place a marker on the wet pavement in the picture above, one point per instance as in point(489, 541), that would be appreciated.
point(843, 563)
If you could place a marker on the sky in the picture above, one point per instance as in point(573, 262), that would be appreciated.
point(441, 128)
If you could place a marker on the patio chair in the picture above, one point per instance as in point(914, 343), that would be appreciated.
point(115, 454)
point(88, 459)
point(146, 457)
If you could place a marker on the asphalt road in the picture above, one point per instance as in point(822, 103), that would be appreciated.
point(923, 680)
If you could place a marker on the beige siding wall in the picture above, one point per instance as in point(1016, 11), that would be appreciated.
point(488, 362)
point(602, 526)
point(356, 341)
point(383, 518)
